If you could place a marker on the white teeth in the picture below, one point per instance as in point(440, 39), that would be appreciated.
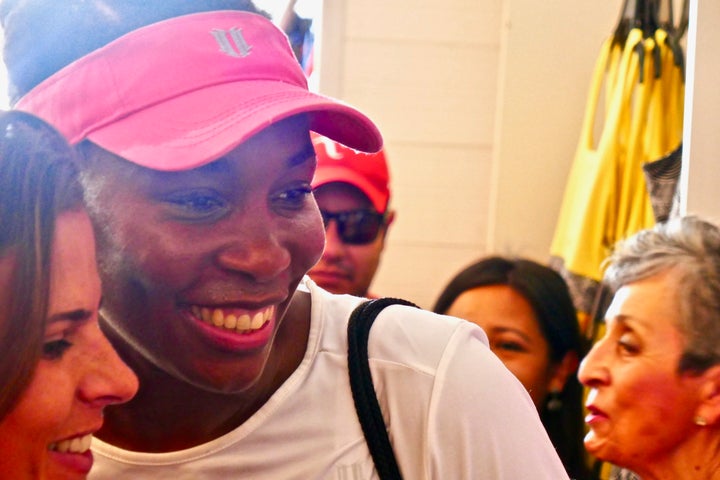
point(218, 319)
point(73, 445)
point(243, 323)
point(257, 321)
point(230, 322)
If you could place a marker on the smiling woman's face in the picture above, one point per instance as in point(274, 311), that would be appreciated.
point(199, 265)
point(47, 434)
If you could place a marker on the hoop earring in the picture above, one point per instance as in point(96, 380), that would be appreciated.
point(554, 402)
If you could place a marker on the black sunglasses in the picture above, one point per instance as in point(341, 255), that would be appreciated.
point(356, 227)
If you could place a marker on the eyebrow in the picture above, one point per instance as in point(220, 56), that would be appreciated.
point(303, 156)
point(516, 331)
point(77, 315)
point(222, 164)
point(72, 315)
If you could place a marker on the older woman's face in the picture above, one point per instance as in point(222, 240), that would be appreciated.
point(639, 407)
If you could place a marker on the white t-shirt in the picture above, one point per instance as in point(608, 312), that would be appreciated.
point(453, 411)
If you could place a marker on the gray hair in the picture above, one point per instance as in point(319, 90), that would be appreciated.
point(690, 247)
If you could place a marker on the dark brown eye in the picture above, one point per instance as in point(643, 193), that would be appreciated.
point(55, 349)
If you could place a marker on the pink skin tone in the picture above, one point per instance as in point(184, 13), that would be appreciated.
point(78, 375)
point(346, 268)
point(641, 409)
point(185, 251)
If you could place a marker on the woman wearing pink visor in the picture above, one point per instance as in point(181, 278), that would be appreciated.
point(197, 166)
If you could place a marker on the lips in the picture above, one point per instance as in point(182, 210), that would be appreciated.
point(234, 329)
point(73, 454)
point(594, 415)
point(329, 279)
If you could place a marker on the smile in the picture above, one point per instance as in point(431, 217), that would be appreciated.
point(72, 445)
point(239, 322)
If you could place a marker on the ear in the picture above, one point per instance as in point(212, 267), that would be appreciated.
point(709, 396)
point(390, 218)
point(561, 371)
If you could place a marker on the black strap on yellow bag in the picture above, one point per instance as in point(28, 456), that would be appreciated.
point(363, 390)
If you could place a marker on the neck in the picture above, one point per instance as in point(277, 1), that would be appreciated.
point(697, 457)
point(170, 414)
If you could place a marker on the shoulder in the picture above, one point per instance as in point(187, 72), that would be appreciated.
point(400, 334)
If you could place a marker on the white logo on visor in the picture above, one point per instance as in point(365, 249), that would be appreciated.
point(238, 48)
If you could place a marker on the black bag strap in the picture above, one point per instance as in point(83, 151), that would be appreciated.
point(363, 390)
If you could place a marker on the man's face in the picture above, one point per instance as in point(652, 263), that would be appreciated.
point(345, 267)
point(199, 266)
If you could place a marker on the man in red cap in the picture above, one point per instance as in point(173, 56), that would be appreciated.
point(352, 190)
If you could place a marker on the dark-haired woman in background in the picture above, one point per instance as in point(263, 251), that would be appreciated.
point(527, 312)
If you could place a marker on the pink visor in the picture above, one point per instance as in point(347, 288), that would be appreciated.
point(183, 92)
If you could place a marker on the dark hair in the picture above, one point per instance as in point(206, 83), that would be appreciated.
point(37, 182)
point(548, 295)
point(73, 28)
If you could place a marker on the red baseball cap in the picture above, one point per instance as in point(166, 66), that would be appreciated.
point(180, 93)
point(366, 171)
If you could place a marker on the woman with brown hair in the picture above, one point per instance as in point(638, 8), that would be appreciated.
point(57, 370)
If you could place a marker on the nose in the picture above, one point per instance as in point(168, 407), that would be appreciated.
point(256, 246)
point(334, 246)
point(107, 380)
point(593, 370)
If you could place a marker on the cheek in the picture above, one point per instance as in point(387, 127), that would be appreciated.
point(367, 256)
point(531, 373)
point(651, 406)
point(39, 416)
point(305, 237)
point(309, 242)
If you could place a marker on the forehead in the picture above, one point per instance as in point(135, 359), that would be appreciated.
point(341, 196)
point(651, 308)
point(496, 305)
point(649, 299)
point(73, 273)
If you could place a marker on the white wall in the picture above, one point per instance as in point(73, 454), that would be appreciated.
point(701, 141)
point(550, 54)
point(480, 102)
point(427, 72)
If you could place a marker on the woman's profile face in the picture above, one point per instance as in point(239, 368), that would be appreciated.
point(47, 434)
point(640, 407)
point(514, 334)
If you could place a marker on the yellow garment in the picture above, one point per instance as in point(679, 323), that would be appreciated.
point(606, 198)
